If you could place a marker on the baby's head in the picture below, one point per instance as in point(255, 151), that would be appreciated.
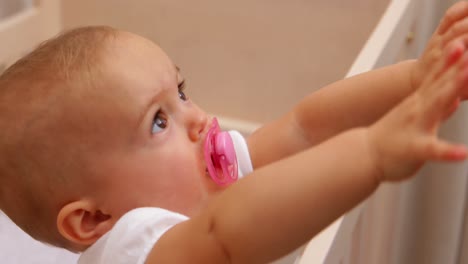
point(93, 124)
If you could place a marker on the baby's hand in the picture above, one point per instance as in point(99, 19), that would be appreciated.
point(452, 28)
point(406, 137)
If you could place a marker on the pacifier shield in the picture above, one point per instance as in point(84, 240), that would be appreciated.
point(220, 155)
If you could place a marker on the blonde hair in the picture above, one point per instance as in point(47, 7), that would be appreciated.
point(28, 146)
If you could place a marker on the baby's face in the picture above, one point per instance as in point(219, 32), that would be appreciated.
point(151, 135)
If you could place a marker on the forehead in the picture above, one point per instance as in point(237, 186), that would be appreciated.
point(134, 70)
point(138, 65)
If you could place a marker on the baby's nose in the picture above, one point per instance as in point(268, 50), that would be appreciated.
point(197, 125)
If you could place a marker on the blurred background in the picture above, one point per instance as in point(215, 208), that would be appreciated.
point(249, 60)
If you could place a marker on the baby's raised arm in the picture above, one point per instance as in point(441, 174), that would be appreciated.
point(357, 101)
point(349, 103)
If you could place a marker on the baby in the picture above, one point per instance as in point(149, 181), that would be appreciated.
point(102, 151)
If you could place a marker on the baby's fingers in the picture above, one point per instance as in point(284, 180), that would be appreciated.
point(460, 80)
point(452, 53)
point(458, 29)
point(444, 88)
point(436, 149)
point(451, 109)
point(439, 98)
point(454, 13)
point(455, 50)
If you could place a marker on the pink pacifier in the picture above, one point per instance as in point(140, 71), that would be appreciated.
point(220, 156)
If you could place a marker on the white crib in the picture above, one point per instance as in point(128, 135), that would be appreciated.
point(369, 232)
point(393, 39)
point(400, 34)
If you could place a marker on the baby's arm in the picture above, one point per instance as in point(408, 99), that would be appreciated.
point(349, 103)
point(356, 101)
point(266, 215)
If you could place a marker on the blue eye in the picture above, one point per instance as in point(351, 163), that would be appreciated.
point(159, 123)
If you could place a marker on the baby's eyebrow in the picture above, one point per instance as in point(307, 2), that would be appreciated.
point(178, 72)
point(182, 79)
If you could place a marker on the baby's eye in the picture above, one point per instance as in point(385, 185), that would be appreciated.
point(159, 123)
point(182, 94)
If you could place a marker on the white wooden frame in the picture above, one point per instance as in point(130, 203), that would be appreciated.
point(22, 31)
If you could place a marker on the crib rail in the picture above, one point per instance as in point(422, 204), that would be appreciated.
point(392, 40)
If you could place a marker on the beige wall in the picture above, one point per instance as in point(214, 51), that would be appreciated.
point(245, 59)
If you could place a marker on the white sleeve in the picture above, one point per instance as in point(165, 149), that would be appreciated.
point(132, 237)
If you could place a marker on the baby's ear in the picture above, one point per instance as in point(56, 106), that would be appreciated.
point(82, 223)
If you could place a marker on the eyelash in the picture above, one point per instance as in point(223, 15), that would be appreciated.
point(181, 88)
point(158, 121)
